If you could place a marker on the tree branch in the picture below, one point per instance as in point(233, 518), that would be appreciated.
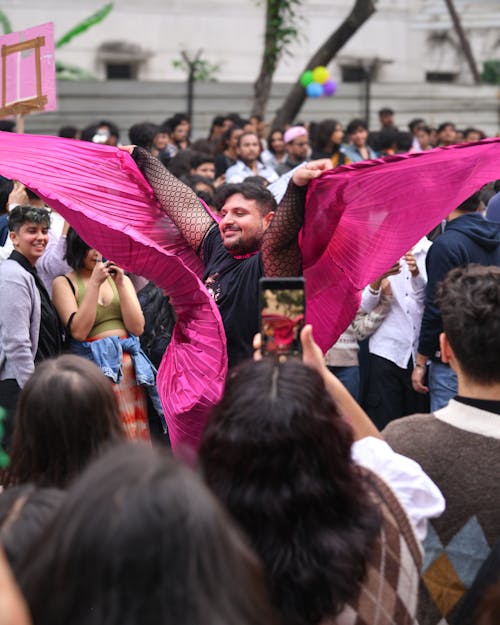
point(360, 12)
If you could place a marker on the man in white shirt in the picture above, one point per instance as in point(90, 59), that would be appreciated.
point(248, 164)
point(394, 345)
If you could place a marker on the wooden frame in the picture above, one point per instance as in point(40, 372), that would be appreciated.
point(28, 105)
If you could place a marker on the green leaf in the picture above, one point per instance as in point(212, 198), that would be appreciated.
point(491, 72)
point(5, 22)
point(80, 28)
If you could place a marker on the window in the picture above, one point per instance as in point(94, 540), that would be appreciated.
point(123, 71)
point(121, 60)
point(440, 76)
point(353, 73)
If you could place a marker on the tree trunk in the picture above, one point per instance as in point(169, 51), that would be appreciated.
point(261, 91)
point(361, 11)
point(466, 49)
point(262, 86)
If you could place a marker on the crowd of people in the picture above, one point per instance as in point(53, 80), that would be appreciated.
point(357, 486)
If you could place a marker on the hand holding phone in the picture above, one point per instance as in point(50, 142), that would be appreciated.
point(282, 316)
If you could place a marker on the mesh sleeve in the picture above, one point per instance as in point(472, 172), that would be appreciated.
point(280, 248)
point(179, 202)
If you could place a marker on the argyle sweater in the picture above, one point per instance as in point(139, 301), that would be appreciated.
point(388, 594)
point(459, 448)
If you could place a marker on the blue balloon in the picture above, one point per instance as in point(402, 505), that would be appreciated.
point(314, 90)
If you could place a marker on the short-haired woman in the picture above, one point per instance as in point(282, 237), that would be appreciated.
point(30, 330)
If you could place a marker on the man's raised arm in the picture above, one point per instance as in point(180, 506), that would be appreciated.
point(179, 202)
point(280, 249)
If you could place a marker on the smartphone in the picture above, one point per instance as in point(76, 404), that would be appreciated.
point(282, 316)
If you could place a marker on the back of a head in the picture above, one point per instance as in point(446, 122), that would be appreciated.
point(66, 413)
point(69, 132)
point(469, 301)
point(25, 512)
point(6, 188)
point(143, 134)
point(140, 540)
point(277, 454)
point(471, 204)
point(321, 137)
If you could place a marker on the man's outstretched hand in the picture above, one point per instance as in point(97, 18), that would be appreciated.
point(310, 171)
point(127, 148)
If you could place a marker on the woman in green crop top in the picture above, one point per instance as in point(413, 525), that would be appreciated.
point(97, 300)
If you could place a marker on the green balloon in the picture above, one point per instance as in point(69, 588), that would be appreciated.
point(306, 78)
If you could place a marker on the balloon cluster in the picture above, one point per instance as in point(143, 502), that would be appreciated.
point(317, 82)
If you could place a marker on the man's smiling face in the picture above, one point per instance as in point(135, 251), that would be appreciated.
point(242, 224)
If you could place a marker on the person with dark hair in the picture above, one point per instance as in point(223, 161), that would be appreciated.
point(163, 148)
point(30, 330)
point(276, 152)
point(413, 126)
point(423, 135)
point(388, 141)
point(143, 134)
point(227, 155)
point(279, 452)
point(392, 348)
point(104, 132)
point(179, 164)
point(219, 125)
point(459, 445)
point(358, 149)
point(180, 128)
point(473, 134)
point(467, 238)
point(203, 165)
point(25, 512)
point(446, 134)
point(98, 306)
point(386, 118)
point(7, 125)
point(69, 132)
point(8, 188)
point(245, 245)
point(327, 142)
point(140, 540)
point(66, 414)
point(248, 163)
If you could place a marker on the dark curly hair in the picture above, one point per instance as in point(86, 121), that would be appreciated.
point(279, 457)
point(469, 301)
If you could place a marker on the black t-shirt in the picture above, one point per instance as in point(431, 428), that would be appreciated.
point(234, 284)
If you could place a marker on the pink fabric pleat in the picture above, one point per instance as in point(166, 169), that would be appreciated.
point(359, 220)
point(362, 218)
point(101, 192)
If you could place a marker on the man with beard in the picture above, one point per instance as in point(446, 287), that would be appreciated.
point(248, 163)
point(254, 238)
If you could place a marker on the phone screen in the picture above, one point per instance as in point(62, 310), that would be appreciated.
point(282, 312)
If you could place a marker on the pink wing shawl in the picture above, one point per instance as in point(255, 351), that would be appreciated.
point(359, 220)
point(101, 192)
